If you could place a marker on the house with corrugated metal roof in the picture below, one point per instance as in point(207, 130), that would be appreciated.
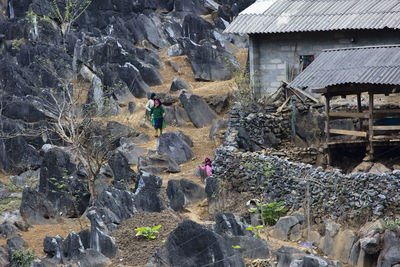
point(285, 36)
point(352, 71)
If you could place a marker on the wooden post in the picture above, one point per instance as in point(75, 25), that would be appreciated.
point(327, 128)
point(327, 109)
point(359, 109)
point(371, 124)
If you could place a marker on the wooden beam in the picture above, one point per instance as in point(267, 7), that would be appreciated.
point(305, 94)
point(283, 105)
point(354, 89)
point(387, 111)
point(348, 115)
point(386, 127)
point(359, 102)
point(371, 123)
point(327, 109)
point(348, 132)
point(359, 110)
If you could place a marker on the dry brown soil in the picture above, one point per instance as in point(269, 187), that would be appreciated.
point(135, 251)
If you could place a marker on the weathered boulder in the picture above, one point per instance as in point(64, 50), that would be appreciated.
point(167, 99)
point(219, 103)
point(131, 152)
point(60, 183)
point(199, 112)
point(147, 193)
point(72, 246)
point(123, 174)
point(36, 208)
point(196, 28)
point(53, 247)
point(182, 192)
point(140, 139)
point(15, 243)
point(211, 188)
point(328, 241)
point(97, 103)
point(210, 62)
point(115, 131)
point(284, 226)
point(152, 31)
point(157, 163)
point(286, 255)
point(250, 247)
point(190, 6)
point(174, 51)
point(309, 125)
point(217, 126)
point(114, 206)
point(25, 177)
point(370, 245)
point(182, 118)
point(99, 239)
point(149, 74)
point(17, 153)
point(22, 110)
point(179, 84)
point(196, 238)
point(127, 74)
point(315, 261)
point(390, 253)
point(7, 230)
point(93, 258)
point(176, 148)
point(185, 138)
point(227, 223)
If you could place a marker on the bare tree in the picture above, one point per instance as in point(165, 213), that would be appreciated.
point(68, 12)
point(71, 121)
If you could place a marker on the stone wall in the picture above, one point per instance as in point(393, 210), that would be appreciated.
point(253, 129)
point(333, 194)
point(274, 56)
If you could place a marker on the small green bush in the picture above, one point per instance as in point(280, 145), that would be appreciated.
point(148, 232)
point(22, 257)
point(255, 230)
point(271, 211)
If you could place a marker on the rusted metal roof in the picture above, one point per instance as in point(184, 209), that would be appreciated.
point(359, 65)
point(279, 16)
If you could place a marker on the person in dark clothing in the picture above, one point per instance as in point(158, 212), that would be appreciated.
point(157, 117)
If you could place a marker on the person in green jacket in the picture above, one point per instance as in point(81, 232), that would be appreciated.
point(157, 116)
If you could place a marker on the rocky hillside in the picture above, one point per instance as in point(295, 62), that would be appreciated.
point(81, 168)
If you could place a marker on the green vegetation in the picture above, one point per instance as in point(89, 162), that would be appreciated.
point(9, 204)
point(389, 224)
point(22, 257)
point(13, 188)
point(242, 92)
point(149, 233)
point(267, 170)
point(256, 230)
point(16, 44)
point(236, 247)
point(271, 212)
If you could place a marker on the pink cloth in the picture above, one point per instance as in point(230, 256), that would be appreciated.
point(207, 168)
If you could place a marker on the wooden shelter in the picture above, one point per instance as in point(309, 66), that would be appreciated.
point(354, 71)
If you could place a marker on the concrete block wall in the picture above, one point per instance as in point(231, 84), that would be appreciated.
point(274, 56)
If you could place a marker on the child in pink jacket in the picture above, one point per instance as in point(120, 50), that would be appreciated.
point(207, 167)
